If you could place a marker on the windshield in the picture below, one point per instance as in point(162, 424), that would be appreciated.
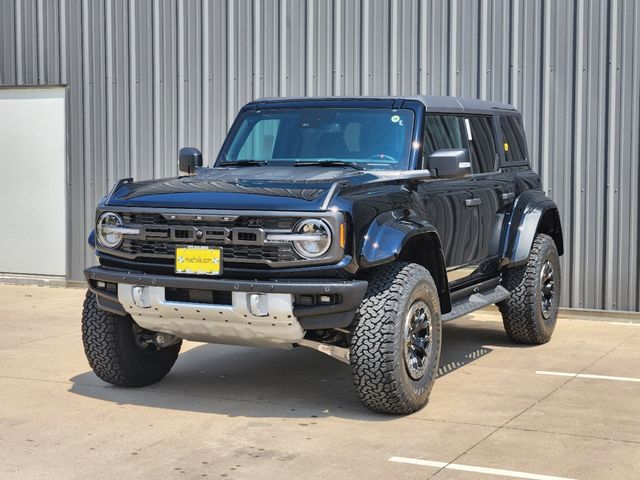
point(371, 138)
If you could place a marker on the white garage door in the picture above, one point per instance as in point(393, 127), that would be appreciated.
point(32, 181)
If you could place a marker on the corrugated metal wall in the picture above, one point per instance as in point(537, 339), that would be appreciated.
point(147, 77)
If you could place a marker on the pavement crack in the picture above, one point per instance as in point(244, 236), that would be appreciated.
point(580, 435)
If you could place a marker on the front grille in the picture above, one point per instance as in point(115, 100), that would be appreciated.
point(241, 237)
point(230, 253)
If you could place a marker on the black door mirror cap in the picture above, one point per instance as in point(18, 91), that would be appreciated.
point(188, 159)
point(450, 162)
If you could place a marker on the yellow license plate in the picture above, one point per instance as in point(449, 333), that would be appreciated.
point(199, 260)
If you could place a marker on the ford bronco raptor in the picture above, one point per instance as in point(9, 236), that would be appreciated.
point(354, 226)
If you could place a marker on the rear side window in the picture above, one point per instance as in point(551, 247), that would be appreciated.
point(482, 145)
point(442, 131)
point(515, 148)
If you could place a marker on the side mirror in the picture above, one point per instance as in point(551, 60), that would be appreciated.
point(450, 162)
point(189, 159)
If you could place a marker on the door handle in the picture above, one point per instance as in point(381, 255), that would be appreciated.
point(472, 202)
point(508, 196)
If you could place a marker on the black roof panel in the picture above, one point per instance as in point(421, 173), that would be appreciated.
point(431, 102)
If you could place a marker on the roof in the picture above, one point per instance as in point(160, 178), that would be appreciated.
point(431, 102)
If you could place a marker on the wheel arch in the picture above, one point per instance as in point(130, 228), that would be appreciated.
point(394, 236)
point(532, 214)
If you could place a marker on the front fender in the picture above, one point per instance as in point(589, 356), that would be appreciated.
point(387, 235)
point(532, 213)
point(402, 235)
point(92, 239)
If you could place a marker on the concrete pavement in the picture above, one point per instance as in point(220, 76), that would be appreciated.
point(236, 413)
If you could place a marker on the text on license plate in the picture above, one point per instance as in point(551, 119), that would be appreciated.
point(199, 260)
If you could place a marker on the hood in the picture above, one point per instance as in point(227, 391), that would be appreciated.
point(241, 188)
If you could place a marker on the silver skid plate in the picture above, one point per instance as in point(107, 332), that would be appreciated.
point(201, 322)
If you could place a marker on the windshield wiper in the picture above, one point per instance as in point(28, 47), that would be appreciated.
point(328, 163)
point(243, 163)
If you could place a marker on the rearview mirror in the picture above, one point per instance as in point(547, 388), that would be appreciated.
point(189, 159)
point(449, 162)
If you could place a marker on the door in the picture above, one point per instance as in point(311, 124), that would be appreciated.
point(450, 203)
point(493, 187)
point(32, 181)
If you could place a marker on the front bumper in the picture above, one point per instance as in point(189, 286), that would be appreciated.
point(339, 315)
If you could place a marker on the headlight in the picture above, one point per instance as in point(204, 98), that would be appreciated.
point(313, 238)
point(109, 230)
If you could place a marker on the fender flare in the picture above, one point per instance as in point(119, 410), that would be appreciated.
point(396, 235)
point(532, 213)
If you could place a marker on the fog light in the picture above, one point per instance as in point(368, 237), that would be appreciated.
point(326, 299)
point(258, 305)
point(141, 297)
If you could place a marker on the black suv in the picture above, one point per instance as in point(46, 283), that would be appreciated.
point(354, 226)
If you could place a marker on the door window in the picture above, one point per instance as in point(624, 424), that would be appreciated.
point(442, 131)
point(515, 148)
point(482, 145)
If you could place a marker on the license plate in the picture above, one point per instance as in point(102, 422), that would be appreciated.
point(199, 260)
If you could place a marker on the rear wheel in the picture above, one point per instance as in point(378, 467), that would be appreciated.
point(530, 313)
point(395, 347)
point(121, 352)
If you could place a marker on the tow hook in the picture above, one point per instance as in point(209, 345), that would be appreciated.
point(163, 340)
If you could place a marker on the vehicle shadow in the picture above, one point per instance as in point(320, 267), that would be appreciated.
point(242, 381)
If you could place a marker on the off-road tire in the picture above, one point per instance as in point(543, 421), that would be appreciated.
point(113, 353)
point(522, 311)
point(378, 366)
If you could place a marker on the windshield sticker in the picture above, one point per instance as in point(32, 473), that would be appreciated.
point(395, 118)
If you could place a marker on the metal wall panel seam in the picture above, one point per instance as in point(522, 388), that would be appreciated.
point(393, 47)
point(18, 30)
point(309, 46)
point(256, 18)
point(337, 47)
point(613, 110)
point(155, 153)
point(206, 84)
point(632, 87)
point(39, 32)
point(108, 53)
point(635, 157)
point(365, 47)
point(282, 48)
point(181, 74)
point(133, 94)
point(422, 47)
point(452, 84)
point(231, 86)
point(602, 294)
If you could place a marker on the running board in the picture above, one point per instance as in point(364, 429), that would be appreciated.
point(475, 302)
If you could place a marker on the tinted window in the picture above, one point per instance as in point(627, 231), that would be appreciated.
point(375, 138)
point(260, 141)
point(482, 145)
point(442, 131)
point(515, 149)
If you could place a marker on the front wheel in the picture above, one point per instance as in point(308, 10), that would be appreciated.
point(395, 346)
point(530, 313)
point(119, 351)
